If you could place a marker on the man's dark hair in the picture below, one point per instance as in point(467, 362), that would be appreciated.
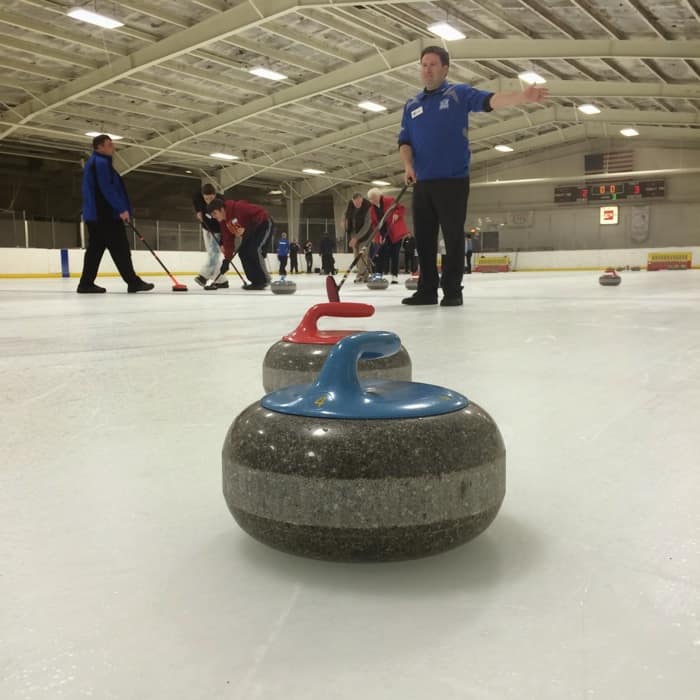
point(208, 189)
point(217, 203)
point(438, 51)
point(356, 195)
point(99, 140)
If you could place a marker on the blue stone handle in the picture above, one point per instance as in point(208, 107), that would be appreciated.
point(339, 373)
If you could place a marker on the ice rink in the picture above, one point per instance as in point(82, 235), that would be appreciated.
point(123, 575)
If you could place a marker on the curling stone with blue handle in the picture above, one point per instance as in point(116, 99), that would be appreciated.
point(377, 281)
point(363, 471)
point(283, 286)
point(299, 356)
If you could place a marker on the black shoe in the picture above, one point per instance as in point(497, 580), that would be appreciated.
point(254, 287)
point(201, 281)
point(420, 299)
point(452, 301)
point(90, 289)
point(222, 285)
point(140, 286)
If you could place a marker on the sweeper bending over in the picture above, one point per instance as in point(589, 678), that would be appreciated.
point(238, 218)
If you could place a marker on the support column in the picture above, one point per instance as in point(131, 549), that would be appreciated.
point(293, 212)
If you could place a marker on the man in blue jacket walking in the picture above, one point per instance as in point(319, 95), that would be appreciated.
point(105, 209)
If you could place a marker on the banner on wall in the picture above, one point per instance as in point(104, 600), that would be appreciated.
point(520, 219)
point(640, 224)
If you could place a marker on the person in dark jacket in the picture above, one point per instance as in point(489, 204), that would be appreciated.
point(293, 258)
point(283, 253)
point(356, 219)
point(409, 253)
point(254, 226)
point(106, 208)
point(327, 250)
point(309, 256)
point(211, 233)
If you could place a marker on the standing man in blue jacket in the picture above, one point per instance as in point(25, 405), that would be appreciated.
point(434, 150)
point(105, 209)
point(283, 253)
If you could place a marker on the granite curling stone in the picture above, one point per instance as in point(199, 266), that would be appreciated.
point(377, 281)
point(372, 471)
point(610, 279)
point(283, 286)
point(299, 356)
point(412, 282)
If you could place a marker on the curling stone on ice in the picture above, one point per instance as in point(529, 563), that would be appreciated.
point(363, 471)
point(283, 286)
point(299, 356)
point(610, 279)
point(377, 281)
point(412, 282)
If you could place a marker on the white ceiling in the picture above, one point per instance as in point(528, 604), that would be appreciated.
point(174, 80)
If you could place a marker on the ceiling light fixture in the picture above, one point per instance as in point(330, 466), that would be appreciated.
point(313, 171)
point(223, 156)
point(503, 148)
point(531, 78)
point(114, 137)
point(371, 106)
point(267, 73)
point(381, 183)
point(275, 192)
point(80, 13)
point(629, 132)
point(445, 31)
point(588, 109)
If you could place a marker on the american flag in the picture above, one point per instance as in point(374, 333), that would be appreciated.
point(618, 162)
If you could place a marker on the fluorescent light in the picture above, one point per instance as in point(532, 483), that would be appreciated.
point(266, 73)
point(313, 171)
point(275, 192)
point(94, 18)
point(445, 31)
point(531, 77)
point(223, 156)
point(503, 148)
point(629, 132)
point(189, 172)
point(114, 137)
point(588, 109)
point(381, 183)
point(371, 106)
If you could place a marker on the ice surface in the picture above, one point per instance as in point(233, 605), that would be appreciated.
point(122, 574)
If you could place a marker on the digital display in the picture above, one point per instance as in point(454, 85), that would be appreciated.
point(610, 191)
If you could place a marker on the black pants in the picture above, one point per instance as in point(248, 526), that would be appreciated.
point(327, 263)
point(309, 261)
point(410, 262)
point(283, 264)
point(293, 263)
point(469, 261)
point(250, 252)
point(440, 204)
point(388, 258)
point(107, 235)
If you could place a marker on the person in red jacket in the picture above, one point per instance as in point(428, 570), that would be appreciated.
point(393, 232)
point(255, 226)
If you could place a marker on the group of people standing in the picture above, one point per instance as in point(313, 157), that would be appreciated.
point(434, 150)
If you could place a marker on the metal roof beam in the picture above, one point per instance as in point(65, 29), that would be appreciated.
point(406, 55)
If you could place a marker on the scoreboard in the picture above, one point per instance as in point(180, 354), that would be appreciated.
point(610, 191)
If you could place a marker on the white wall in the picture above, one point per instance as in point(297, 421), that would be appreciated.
point(21, 262)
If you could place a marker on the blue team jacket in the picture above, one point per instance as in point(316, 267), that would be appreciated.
point(104, 194)
point(283, 247)
point(435, 124)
